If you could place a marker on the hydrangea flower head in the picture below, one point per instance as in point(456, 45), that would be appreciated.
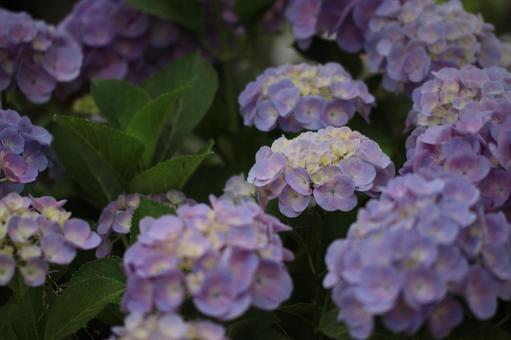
point(470, 95)
point(115, 219)
point(415, 253)
point(463, 128)
point(406, 40)
point(346, 20)
point(302, 96)
point(327, 167)
point(35, 56)
point(121, 42)
point(167, 326)
point(24, 151)
point(36, 232)
point(226, 256)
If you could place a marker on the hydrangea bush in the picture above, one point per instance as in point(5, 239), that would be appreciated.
point(414, 252)
point(234, 169)
point(326, 168)
point(304, 97)
point(35, 56)
point(24, 151)
point(121, 42)
point(37, 232)
point(226, 257)
point(166, 326)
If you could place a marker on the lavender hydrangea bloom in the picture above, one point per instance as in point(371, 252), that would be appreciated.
point(226, 256)
point(237, 189)
point(463, 128)
point(347, 20)
point(166, 326)
point(326, 167)
point(469, 97)
point(121, 42)
point(36, 232)
point(115, 219)
point(302, 96)
point(407, 40)
point(35, 56)
point(24, 151)
point(415, 252)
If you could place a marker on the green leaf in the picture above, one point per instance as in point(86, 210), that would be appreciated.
point(302, 310)
point(475, 329)
point(109, 267)
point(93, 287)
point(111, 315)
point(147, 123)
point(147, 208)
point(169, 174)
point(254, 325)
point(118, 100)
point(249, 11)
point(332, 328)
point(9, 313)
point(100, 159)
point(200, 83)
point(190, 14)
point(29, 303)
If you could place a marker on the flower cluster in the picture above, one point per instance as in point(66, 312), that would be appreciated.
point(38, 231)
point(304, 96)
point(483, 161)
point(237, 189)
point(24, 151)
point(407, 40)
point(348, 20)
point(166, 326)
point(464, 128)
point(469, 97)
point(415, 252)
point(120, 42)
point(226, 257)
point(327, 167)
point(35, 56)
point(115, 219)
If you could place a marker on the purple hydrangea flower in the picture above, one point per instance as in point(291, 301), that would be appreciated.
point(327, 168)
point(226, 256)
point(464, 128)
point(35, 56)
point(166, 326)
point(115, 219)
point(406, 40)
point(302, 96)
point(346, 20)
point(468, 97)
point(36, 232)
point(24, 151)
point(121, 42)
point(414, 253)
